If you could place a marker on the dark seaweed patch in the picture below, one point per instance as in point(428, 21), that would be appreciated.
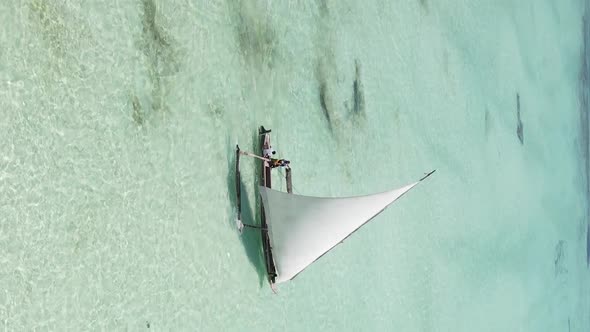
point(323, 103)
point(323, 94)
point(423, 4)
point(50, 21)
point(519, 126)
point(325, 64)
point(61, 37)
point(560, 249)
point(256, 39)
point(137, 114)
point(153, 44)
point(157, 45)
point(158, 48)
point(216, 111)
point(150, 28)
point(358, 95)
point(323, 8)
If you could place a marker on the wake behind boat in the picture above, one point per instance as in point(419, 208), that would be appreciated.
point(297, 230)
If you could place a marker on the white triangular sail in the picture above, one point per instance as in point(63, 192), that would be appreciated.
point(303, 228)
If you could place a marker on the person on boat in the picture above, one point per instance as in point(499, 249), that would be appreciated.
point(268, 152)
point(274, 163)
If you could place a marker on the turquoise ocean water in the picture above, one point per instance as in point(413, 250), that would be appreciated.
point(118, 122)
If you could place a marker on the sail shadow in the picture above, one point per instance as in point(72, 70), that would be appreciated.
point(250, 238)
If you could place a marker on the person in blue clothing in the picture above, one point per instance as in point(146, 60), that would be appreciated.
point(274, 163)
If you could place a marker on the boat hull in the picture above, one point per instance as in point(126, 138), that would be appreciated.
point(266, 182)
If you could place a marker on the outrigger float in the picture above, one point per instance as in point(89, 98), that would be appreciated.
point(297, 230)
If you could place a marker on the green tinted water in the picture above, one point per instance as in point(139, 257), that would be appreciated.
point(120, 119)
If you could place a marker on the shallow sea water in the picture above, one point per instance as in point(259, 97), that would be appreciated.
point(119, 123)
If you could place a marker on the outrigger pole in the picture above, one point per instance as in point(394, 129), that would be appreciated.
point(252, 155)
point(254, 226)
point(239, 222)
point(239, 190)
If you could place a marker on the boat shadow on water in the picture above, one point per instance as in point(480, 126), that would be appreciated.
point(250, 238)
